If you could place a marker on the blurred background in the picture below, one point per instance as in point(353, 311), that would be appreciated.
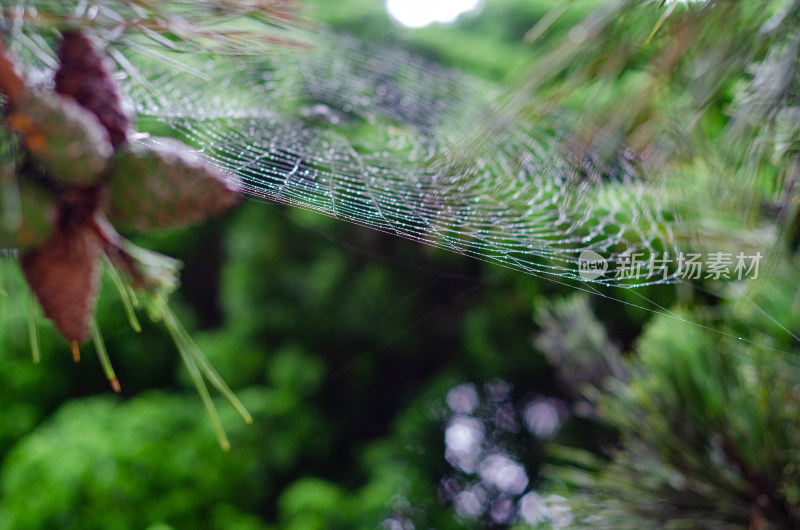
point(395, 385)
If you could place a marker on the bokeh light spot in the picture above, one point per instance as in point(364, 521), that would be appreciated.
point(419, 13)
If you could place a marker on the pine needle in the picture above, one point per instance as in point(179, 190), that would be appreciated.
point(660, 23)
point(102, 354)
point(211, 373)
point(33, 330)
point(207, 369)
point(3, 292)
point(173, 326)
point(129, 301)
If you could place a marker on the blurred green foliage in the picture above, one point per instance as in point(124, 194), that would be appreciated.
point(346, 345)
point(341, 342)
point(708, 429)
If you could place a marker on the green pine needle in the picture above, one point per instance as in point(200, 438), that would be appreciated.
point(33, 330)
point(3, 292)
point(204, 365)
point(102, 354)
point(212, 375)
point(199, 383)
point(126, 294)
point(192, 357)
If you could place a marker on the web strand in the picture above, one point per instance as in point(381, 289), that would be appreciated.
point(375, 137)
point(386, 140)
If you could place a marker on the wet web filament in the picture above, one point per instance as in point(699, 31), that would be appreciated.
point(375, 138)
point(387, 140)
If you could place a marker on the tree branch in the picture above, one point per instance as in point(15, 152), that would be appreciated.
point(11, 83)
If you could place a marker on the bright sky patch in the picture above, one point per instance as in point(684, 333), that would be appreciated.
point(419, 13)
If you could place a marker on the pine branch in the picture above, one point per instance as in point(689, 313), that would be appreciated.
point(11, 85)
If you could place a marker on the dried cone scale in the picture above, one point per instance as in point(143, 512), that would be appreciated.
point(64, 276)
point(165, 185)
point(62, 136)
point(85, 75)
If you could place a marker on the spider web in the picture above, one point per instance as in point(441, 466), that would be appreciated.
point(384, 139)
point(381, 138)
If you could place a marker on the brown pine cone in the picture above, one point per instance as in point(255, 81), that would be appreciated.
point(165, 185)
point(86, 76)
point(64, 275)
point(64, 137)
point(37, 221)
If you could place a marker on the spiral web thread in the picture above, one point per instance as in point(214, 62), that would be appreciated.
point(387, 140)
point(376, 137)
